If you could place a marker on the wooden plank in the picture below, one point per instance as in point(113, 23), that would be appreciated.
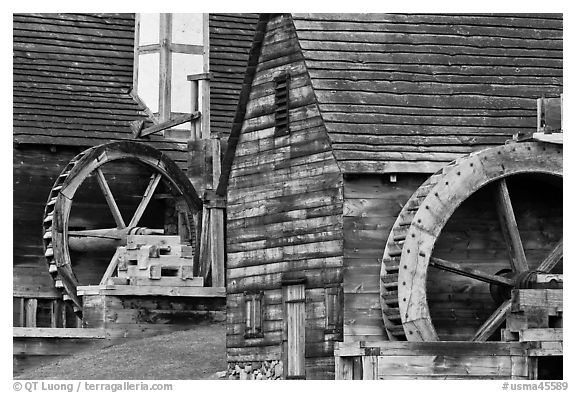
point(58, 332)
point(166, 282)
point(547, 348)
point(434, 365)
point(550, 334)
point(540, 298)
point(132, 290)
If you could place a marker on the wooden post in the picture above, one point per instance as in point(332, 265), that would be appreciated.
point(20, 304)
point(343, 368)
point(56, 314)
point(31, 305)
point(205, 83)
point(204, 258)
point(165, 107)
point(369, 367)
point(216, 223)
point(195, 134)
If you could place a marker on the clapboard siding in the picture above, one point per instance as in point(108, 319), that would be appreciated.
point(371, 205)
point(437, 80)
point(285, 204)
point(230, 40)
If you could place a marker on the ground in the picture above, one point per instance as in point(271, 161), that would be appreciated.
point(198, 353)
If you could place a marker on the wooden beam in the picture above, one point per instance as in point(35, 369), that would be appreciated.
point(469, 272)
point(110, 199)
point(545, 334)
point(187, 48)
point(58, 332)
point(152, 290)
point(510, 227)
point(154, 180)
point(168, 124)
point(493, 323)
point(199, 77)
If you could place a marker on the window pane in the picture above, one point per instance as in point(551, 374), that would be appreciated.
point(187, 29)
point(149, 79)
point(149, 29)
point(182, 66)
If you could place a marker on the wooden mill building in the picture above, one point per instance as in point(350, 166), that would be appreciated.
point(341, 119)
point(74, 88)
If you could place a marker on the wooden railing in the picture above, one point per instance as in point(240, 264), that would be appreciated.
point(43, 310)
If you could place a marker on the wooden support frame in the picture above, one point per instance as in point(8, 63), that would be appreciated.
point(419, 360)
point(165, 48)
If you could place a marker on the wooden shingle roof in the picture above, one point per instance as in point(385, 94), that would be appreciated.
point(409, 93)
point(72, 81)
point(231, 37)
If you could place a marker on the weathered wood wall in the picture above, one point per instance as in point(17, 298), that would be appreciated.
point(284, 210)
point(230, 40)
point(371, 205)
point(458, 305)
point(72, 78)
point(35, 169)
point(410, 92)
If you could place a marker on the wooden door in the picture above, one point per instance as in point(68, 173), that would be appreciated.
point(294, 333)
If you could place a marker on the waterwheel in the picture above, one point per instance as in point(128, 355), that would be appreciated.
point(437, 281)
point(90, 166)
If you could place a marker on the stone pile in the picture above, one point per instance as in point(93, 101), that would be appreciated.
point(272, 369)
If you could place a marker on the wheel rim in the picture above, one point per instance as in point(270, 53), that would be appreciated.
point(57, 211)
point(410, 245)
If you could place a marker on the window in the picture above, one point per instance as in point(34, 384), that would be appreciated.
point(334, 307)
point(168, 48)
point(281, 100)
point(253, 315)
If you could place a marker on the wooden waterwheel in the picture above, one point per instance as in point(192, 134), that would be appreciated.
point(440, 283)
point(91, 165)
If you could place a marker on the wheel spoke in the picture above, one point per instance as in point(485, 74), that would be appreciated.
point(110, 199)
point(552, 259)
point(469, 272)
point(111, 233)
point(154, 180)
point(493, 323)
point(510, 227)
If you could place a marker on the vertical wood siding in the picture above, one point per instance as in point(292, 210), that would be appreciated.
point(284, 208)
